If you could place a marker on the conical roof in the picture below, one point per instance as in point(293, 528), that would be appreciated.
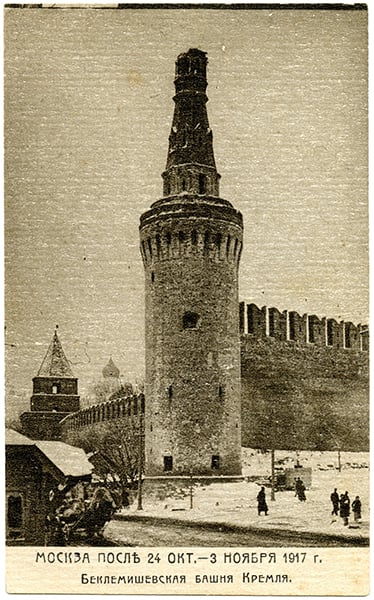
point(55, 363)
point(110, 370)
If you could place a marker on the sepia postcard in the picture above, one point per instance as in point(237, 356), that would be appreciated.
point(186, 299)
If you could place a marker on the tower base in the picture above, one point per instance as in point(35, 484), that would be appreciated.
point(164, 487)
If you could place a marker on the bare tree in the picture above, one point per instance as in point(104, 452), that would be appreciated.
point(113, 447)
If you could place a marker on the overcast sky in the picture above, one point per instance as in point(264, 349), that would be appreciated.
point(88, 110)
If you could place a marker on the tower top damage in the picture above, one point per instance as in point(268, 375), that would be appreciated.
point(191, 242)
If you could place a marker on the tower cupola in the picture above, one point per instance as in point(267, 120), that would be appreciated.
point(190, 165)
point(110, 370)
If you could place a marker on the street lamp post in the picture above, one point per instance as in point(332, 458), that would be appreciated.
point(272, 497)
point(274, 430)
point(140, 462)
point(191, 490)
point(338, 448)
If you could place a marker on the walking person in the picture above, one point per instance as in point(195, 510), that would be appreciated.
point(356, 509)
point(300, 489)
point(335, 502)
point(345, 504)
point(261, 502)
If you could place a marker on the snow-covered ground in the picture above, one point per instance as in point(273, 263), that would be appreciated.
point(235, 503)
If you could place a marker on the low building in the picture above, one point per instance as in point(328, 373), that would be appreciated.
point(37, 472)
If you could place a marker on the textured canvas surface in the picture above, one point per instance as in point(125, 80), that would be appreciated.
point(88, 111)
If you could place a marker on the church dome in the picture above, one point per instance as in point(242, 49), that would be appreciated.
point(110, 370)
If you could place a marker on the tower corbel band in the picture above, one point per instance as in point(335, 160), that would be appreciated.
point(191, 242)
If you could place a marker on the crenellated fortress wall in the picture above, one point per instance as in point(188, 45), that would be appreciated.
point(127, 409)
point(304, 380)
point(306, 329)
point(304, 384)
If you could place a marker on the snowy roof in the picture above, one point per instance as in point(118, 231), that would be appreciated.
point(13, 438)
point(69, 459)
point(55, 363)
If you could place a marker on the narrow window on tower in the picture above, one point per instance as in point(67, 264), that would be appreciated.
point(168, 463)
point(202, 184)
point(215, 461)
point(236, 246)
point(170, 392)
point(183, 185)
point(206, 241)
point(240, 250)
point(144, 253)
point(228, 243)
point(219, 241)
point(158, 245)
point(153, 277)
point(194, 237)
point(191, 320)
point(220, 392)
point(150, 247)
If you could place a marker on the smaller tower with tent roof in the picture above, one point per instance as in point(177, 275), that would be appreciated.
point(55, 395)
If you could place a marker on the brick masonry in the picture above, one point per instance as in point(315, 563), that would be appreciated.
point(300, 394)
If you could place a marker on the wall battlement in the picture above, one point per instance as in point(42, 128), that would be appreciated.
point(305, 329)
point(130, 407)
point(304, 381)
point(192, 238)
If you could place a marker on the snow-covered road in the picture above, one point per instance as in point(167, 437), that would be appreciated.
point(236, 504)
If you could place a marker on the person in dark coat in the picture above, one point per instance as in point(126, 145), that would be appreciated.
point(356, 508)
point(300, 489)
point(345, 504)
point(261, 502)
point(335, 502)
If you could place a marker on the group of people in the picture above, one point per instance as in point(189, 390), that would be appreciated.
point(88, 508)
point(341, 505)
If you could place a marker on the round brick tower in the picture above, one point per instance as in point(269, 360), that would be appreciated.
point(191, 242)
